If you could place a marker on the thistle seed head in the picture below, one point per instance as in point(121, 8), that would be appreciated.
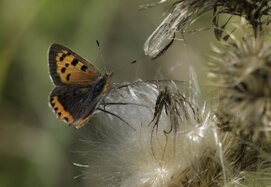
point(242, 75)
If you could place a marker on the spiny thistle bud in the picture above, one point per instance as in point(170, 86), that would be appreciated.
point(242, 75)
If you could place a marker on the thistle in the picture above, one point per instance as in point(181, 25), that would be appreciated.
point(241, 75)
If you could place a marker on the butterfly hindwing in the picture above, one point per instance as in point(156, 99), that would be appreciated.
point(68, 68)
point(76, 103)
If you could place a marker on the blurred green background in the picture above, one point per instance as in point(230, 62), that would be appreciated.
point(35, 148)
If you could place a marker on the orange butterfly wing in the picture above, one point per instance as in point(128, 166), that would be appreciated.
point(68, 68)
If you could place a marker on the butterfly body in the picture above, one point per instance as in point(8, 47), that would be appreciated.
point(80, 87)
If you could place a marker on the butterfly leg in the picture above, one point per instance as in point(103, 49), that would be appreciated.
point(104, 104)
point(129, 84)
point(115, 115)
point(115, 88)
point(136, 104)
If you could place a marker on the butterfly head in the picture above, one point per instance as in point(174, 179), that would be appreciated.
point(109, 74)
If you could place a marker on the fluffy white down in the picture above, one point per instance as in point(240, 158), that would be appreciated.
point(118, 155)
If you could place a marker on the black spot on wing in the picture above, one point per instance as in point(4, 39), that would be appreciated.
point(62, 57)
point(67, 65)
point(63, 70)
point(83, 68)
point(74, 62)
point(68, 77)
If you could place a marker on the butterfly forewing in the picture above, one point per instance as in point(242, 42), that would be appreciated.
point(68, 68)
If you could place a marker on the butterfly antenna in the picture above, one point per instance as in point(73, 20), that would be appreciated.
point(101, 55)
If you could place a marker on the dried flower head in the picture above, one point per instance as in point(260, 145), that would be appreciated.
point(242, 75)
point(185, 12)
point(180, 15)
point(175, 105)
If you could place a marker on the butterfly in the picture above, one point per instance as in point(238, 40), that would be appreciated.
point(80, 87)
